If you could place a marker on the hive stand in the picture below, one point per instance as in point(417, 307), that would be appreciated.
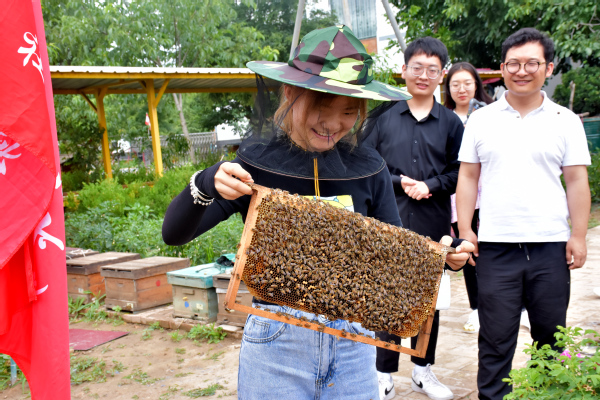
point(232, 291)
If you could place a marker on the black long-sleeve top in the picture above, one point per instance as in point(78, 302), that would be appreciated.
point(425, 150)
point(372, 193)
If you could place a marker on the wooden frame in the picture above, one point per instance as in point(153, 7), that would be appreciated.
point(237, 272)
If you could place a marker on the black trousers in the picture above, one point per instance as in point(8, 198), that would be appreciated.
point(469, 271)
point(387, 360)
point(510, 276)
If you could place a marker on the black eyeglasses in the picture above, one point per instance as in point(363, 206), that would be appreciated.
point(530, 67)
point(417, 70)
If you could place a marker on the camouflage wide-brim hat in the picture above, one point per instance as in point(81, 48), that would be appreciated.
point(331, 60)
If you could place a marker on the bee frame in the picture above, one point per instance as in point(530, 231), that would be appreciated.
point(259, 193)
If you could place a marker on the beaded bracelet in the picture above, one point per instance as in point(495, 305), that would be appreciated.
point(199, 197)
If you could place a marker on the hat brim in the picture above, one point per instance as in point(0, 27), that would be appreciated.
point(282, 72)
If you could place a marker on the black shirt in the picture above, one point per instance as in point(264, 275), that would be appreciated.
point(425, 150)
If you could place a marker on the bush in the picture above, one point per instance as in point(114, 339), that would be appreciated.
point(114, 227)
point(73, 180)
point(594, 176)
point(587, 90)
point(569, 374)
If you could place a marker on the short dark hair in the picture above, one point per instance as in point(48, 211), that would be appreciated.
point(528, 35)
point(480, 93)
point(428, 46)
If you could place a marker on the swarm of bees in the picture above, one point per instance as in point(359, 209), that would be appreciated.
point(315, 257)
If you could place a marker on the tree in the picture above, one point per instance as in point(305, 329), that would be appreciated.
point(587, 90)
point(473, 30)
point(178, 33)
point(275, 20)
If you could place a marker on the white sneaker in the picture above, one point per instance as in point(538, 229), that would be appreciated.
point(386, 386)
point(426, 382)
point(472, 324)
point(525, 319)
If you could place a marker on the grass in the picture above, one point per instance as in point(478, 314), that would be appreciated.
point(141, 377)
point(208, 332)
point(201, 392)
point(215, 356)
point(176, 336)
point(90, 369)
point(5, 375)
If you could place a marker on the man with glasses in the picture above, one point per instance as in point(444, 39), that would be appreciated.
point(419, 140)
point(521, 145)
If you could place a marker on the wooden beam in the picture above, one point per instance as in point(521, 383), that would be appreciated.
point(89, 102)
point(171, 90)
point(150, 75)
point(158, 167)
point(102, 122)
point(161, 92)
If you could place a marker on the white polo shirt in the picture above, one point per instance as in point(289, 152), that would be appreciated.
point(522, 198)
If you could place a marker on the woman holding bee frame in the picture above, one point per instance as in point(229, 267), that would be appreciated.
point(308, 146)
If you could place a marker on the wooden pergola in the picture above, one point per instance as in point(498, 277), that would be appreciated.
point(154, 83)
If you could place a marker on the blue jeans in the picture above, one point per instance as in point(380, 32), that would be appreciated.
point(283, 361)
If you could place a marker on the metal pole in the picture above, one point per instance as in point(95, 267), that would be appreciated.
point(13, 372)
point(392, 19)
point(347, 19)
point(297, 26)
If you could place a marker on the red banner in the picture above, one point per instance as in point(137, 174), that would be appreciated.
point(34, 327)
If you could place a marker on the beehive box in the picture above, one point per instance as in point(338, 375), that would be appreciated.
point(318, 258)
point(83, 272)
point(140, 284)
point(193, 293)
point(231, 317)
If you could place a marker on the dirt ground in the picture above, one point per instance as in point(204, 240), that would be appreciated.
point(156, 368)
point(150, 364)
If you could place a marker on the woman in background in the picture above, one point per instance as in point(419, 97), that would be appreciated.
point(463, 84)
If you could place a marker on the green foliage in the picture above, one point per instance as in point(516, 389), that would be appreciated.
point(93, 311)
point(201, 392)
point(5, 374)
point(594, 176)
point(474, 30)
point(142, 377)
point(79, 137)
point(550, 374)
point(90, 369)
point(587, 90)
point(175, 151)
point(110, 217)
point(139, 231)
point(208, 332)
point(215, 356)
point(176, 336)
point(74, 180)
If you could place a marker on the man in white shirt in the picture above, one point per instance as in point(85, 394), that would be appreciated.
point(521, 145)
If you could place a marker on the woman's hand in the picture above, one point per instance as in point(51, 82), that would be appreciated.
point(459, 259)
point(231, 179)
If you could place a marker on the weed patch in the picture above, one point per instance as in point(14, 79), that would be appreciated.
point(200, 392)
point(208, 332)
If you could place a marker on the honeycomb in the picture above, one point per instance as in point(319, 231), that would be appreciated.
point(312, 256)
